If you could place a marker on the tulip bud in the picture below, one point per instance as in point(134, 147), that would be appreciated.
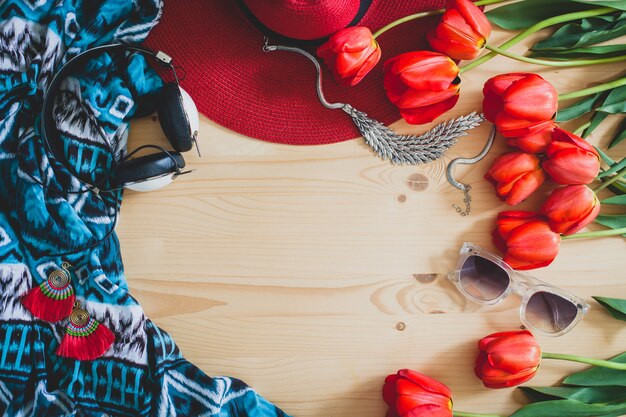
point(571, 208)
point(422, 84)
point(535, 142)
point(570, 159)
point(350, 54)
point(409, 393)
point(526, 240)
point(519, 104)
point(507, 359)
point(462, 32)
point(516, 175)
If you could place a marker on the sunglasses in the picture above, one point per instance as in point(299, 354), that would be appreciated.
point(486, 279)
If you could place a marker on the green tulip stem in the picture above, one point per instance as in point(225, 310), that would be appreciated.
point(599, 233)
point(573, 63)
point(610, 181)
point(464, 414)
point(582, 359)
point(593, 90)
point(426, 14)
point(535, 28)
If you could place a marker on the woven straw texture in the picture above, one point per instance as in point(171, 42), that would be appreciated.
point(271, 96)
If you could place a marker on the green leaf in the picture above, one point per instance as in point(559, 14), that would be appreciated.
point(616, 4)
point(616, 308)
point(618, 187)
point(584, 394)
point(524, 14)
point(577, 109)
point(613, 103)
point(620, 135)
point(589, 31)
point(614, 221)
point(587, 52)
point(614, 168)
point(616, 199)
point(607, 159)
point(569, 408)
point(597, 376)
point(597, 118)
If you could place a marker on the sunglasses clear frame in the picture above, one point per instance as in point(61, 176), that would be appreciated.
point(522, 284)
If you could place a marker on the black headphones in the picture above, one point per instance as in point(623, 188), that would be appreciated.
point(179, 120)
point(177, 115)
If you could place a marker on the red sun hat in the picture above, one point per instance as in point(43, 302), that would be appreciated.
point(272, 96)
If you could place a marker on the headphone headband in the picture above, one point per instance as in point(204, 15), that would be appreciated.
point(48, 125)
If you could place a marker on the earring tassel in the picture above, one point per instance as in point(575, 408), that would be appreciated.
point(85, 339)
point(53, 299)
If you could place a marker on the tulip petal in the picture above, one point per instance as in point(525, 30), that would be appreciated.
point(455, 49)
point(571, 208)
point(561, 136)
point(531, 98)
point(426, 382)
point(500, 83)
point(415, 98)
point(522, 265)
point(525, 186)
point(423, 70)
point(389, 389)
point(486, 341)
point(500, 379)
point(584, 221)
point(510, 126)
point(371, 62)
point(572, 166)
point(427, 114)
point(509, 220)
point(509, 166)
point(394, 88)
point(514, 353)
point(474, 17)
point(536, 142)
point(492, 105)
point(533, 242)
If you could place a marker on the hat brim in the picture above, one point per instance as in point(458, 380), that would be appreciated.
point(272, 96)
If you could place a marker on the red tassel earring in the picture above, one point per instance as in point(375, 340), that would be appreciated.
point(53, 299)
point(85, 339)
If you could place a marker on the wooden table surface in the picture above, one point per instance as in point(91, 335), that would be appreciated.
point(313, 272)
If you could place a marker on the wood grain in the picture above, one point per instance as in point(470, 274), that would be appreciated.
point(313, 272)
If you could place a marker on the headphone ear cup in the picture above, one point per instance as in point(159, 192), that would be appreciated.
point(173, 118)
point(144, 168)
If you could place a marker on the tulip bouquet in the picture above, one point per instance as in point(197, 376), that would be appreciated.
point(508, 359)
point(522, 106)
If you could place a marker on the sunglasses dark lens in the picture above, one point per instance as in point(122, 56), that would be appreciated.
point(483, 279)
point(549, 312)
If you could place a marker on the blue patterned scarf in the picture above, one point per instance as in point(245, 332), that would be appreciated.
point(143, 372)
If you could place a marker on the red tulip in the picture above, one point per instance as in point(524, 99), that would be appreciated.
point(422, 84)
point(535, 142)
point(462, 32)
point(507, 359)
point(350, 54)
point(409, 394)
point(526, 240)
point(571, 208)
point(516, 175)
point(519, 104)
point(570, 159)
